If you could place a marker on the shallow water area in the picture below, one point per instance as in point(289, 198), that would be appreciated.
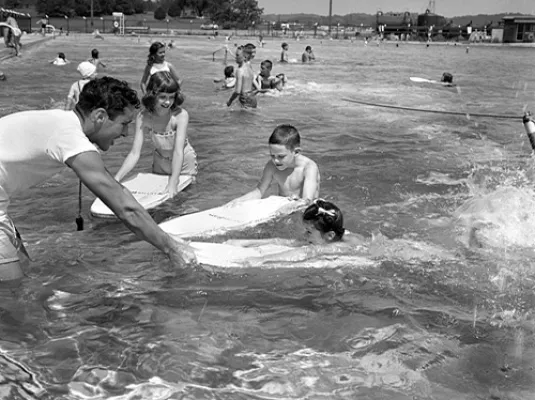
point(440, 309)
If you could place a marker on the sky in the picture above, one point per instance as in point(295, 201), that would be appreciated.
point(448, 8)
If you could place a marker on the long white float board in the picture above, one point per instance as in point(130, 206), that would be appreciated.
point(229, 256)
point(147, 189)
point(224, 219)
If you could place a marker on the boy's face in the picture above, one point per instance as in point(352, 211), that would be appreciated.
point(312, 235)
point(265, 70)
point(282, 157)
point(285, 48)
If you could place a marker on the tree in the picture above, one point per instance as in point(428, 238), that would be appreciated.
point(139, 6)
point(13, 3)
point(55, 8)
point(160, 14)
point(175, 10)
point(200, 6)
point(243, 12)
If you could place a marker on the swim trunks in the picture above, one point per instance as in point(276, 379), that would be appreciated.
point(9, 243)
point(248, 100)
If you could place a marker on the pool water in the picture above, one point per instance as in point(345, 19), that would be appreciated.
point(444, 311)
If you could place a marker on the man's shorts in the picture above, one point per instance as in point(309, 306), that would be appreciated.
point(9, 243)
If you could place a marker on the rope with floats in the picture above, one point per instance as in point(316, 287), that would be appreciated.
point(468, 114)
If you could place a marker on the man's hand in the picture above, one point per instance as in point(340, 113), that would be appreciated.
point(181, 253)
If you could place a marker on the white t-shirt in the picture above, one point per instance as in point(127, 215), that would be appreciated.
point(76, 89)
point(34, 146)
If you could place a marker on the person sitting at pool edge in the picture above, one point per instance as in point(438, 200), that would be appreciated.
point(296, 175)
point(35, 145)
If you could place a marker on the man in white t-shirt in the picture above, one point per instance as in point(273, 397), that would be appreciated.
point(35, 145)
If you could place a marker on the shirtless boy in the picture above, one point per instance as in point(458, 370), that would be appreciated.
point(265, 81)
point(244, 90)
point(296, 175)
point(284, 53)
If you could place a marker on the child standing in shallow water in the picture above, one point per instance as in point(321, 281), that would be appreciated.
point(166, 123)
point(156, 63)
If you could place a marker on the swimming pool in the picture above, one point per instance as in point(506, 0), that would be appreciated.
point(433, 317)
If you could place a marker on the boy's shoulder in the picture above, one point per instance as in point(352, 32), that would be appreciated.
point(305, 162)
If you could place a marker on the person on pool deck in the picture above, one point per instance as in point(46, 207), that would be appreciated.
point(14, 34)
point(284, 53)
point(308, 55)
point(88, 72)
point(265, 81)
point(244, 90)
point(166, 123)
point(156, 63)
point(35, 145)
point(296, 175)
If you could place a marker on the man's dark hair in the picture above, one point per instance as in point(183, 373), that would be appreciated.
point(108, 93)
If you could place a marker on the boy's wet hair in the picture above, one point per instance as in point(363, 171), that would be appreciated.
point(94, 53)
point(108, 93)
point(447, 77)
point(286, 135)
point(249, 46)
point(61, 55)
point(308, 48)
point(268, 63)
point(325, 217)
point(284, 44)
point(162, 82)
point(153, 49)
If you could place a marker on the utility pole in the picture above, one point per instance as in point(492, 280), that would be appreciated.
point(330, 15)
point(92, 15)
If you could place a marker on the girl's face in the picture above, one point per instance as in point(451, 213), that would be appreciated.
point(160, 55)
point(312, 235)
point(164, 101)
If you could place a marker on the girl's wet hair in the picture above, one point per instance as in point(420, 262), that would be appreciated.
point(94, 53)
point(61, 55)
point(153, 49)
point(162, 82)
point(229, 71)
point(325, 217)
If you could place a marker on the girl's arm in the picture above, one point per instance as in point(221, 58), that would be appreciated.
point(144, 79)
point(181, 121)
point(261, 242)
point(101, 63)
point(132, 158)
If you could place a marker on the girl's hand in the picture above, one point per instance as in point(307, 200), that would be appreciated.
point(171, 190)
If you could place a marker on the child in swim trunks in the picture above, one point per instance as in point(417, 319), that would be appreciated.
point(166, 123)
point(296, 175)
point(265, 81)
point(244, 90)
point(284, 53)
point(95, 60)
point(308, 55)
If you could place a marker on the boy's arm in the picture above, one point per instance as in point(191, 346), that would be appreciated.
point(237, 88)
point(101, 63)
point(262, 187)
point(144, 79)
point(311, 182)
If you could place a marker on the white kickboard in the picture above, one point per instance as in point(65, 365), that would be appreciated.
point(421, 80)
point(223, 219)
point(229, 256)
point(148, 190)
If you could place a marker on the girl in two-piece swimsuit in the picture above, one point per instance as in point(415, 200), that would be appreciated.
point(166, 123)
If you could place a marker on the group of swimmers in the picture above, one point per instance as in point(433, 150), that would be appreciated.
point(35, 145)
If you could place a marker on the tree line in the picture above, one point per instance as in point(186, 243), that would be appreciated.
point(234, 12)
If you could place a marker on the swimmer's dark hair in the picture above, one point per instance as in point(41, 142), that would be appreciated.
point(60, 55)
point(268, 63)
point(308, 48)
point(286, 135)
point(108, 93)
point(162, 82)
point(325, 217)
point(94, 53)
point(284, 44)
point(228, 71)
point(249, 46)
point(153, 49)
point(447, 77)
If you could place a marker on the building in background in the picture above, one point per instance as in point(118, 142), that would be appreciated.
point(519, 28)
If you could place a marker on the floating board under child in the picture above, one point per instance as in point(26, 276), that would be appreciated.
point(147, 189)
point(230, 256)
point(223, 219)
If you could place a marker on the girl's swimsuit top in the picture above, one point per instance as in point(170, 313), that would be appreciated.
point(164, 142)
point(164, 66)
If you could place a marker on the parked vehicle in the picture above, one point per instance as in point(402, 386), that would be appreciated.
point(209, 26)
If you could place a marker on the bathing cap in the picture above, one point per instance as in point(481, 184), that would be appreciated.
point(86, 69)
